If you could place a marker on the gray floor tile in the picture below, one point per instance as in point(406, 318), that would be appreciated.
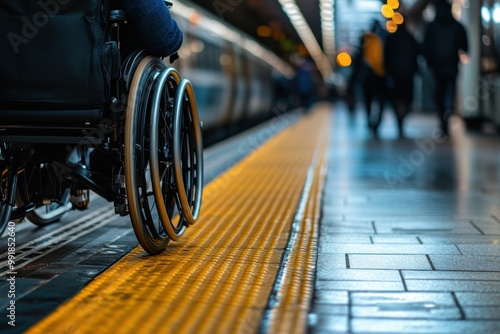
point(487, 225)
point(482, 312)
point(453, 285)
point(393, 239)
point(358, 275)
point(330, 309)
point(478, 299)
point(493, 250)
point(410, 311)
point(343, 220)
point(373, 298)
point(345, 238)
point(452, 275)
point(422, 220)
point(413, 305)
point(332, 261)
point(389, 262)
point(387, 249)
point(442, 240)
point(359, 285)
point(331, 297)
point(466, 262)
point(426, 228)
point(328, 324)
point(360, 325)
point(332, 229)
point(458, 239)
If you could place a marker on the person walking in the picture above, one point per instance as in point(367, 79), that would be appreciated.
point(374, 84)
point(368, 72)
point(401, 52)
point(444, 38)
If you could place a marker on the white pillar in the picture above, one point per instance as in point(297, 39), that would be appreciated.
point(469, 103)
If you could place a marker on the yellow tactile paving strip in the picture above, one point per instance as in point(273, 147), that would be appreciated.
point(219, 276)
point(293, 300)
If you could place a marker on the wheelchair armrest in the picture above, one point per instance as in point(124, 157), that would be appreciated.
point(118, 16)
point(173, 57)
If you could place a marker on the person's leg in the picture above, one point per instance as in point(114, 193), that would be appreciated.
point(377, 117)
point(381, 95)
point(450, 94)
point(441, 88)
point(406, 101)
point(399, 112)
point(368, 99)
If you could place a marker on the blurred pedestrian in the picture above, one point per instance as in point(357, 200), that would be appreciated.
point(373, 81)
point(401, 52)
point(304, 84)
point(444, 38)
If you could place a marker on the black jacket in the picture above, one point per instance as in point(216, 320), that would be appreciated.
point(400, 54)
point(443, 39)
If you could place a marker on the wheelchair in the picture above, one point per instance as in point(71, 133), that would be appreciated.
point(66, 94)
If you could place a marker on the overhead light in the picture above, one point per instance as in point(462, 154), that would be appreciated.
point(307, 36)
point(327, 27)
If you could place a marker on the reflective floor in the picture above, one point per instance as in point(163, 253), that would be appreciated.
point(410, 232)
point(381, 234)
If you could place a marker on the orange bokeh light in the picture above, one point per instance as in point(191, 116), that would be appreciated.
point(344, 59)
point(195, 18)
point(394, 4)
point(391, 26)
point(398, 18)
point(387, 11)
point(264, 31)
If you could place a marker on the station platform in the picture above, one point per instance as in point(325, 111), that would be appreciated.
point(322, 229)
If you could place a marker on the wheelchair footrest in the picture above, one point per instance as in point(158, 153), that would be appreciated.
point(84, 176)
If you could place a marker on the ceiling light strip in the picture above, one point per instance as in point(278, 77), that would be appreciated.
point(306, 35)
point(327, 12)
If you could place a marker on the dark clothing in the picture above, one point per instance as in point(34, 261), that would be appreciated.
point(443, 39)
point(153, 27)
point(446, 90)
point(401, 51)
point(372, 80)
point(374, 92)
point(150, 26)
point(305, 86)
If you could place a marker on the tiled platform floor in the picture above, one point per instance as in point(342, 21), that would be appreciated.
point(410, 232)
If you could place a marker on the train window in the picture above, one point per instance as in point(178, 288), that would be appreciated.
point(208, 56)
point(490, 39)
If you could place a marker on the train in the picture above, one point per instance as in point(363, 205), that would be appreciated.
point(488, 95)
point(233, 76)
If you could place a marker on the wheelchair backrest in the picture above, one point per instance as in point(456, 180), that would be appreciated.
point(51, 53)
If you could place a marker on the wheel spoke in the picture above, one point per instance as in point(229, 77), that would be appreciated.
point(32, 189)
point(143, 205)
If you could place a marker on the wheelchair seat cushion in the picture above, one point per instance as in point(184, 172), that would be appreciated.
point(51, 53)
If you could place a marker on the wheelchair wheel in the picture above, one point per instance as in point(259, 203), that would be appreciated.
point(39, 184)
point(8, 183)
point(161, 153)
point(4, 211)
point(188, 152)
point(142, 205)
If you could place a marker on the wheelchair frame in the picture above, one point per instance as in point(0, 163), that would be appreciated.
point(153, 134)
